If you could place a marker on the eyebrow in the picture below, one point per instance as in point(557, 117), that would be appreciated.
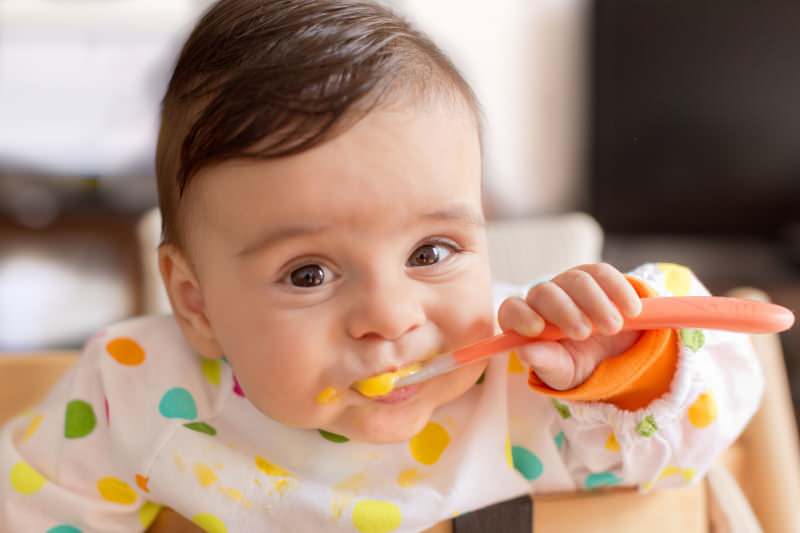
point(460, 214)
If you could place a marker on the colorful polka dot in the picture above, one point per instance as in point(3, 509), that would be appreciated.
point(63, 528)
point(178, 403)
point(686, 473)
point(201, 427)
point(515, 366)
point(204, 475)
point(25, 479)
point(115, 490)
point(409, 477)
point(333, 437)
point(562, 409)
point(677, 278)
point(612, 444)
point(602, 479)
point(694, 339)
point(703, 411)
point(429, 444)
point(210, 523)
point(647, 427)
point(212, 370)
point(148, 514)
point(33, 426)
point(80, 420)
point(509, 456)
point(560, 440)
point(527, 463)
point(376, 516)
point(271, 469)
point(142, 482)
point(126, 351)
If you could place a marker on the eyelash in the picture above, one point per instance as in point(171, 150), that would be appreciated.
point(453, 248)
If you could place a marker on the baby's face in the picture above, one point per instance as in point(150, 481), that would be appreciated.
point(361, 256)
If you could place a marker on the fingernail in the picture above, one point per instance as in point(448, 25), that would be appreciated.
point(530, 329)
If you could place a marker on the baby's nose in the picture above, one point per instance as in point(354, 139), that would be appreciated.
point(386, 313)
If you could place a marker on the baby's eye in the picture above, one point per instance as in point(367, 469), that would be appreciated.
point(307, 276)
point(430, 254)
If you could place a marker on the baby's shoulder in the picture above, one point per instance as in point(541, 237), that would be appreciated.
point(150, 376)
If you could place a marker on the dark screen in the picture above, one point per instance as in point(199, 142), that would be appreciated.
point(695, 115)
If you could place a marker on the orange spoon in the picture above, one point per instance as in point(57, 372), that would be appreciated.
point(709, 312)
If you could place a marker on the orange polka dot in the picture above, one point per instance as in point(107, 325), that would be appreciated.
point(126, 351)
point(116, 491)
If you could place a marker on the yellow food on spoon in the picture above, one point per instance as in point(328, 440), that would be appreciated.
point(383, 384)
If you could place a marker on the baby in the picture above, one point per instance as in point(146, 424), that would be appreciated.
point(319, 170)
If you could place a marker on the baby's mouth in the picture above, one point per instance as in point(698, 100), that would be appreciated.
point(383, 384)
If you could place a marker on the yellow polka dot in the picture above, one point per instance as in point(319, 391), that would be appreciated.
point(210, 523)
point(126, 351)
point(409, 477)
point(281, 486)
point(677, 278)
point(116, 491)
point(212, 369)
point(25, 479)
point(515, 366)
point(686, 473)
point(270, 469)
point(33, 425)
point(376, 516)
point(327, 395)
point(612, 444)
point(427, 445)
point(148, 513)
point(703, 411)
point(509, 455)
point(204, 475)
point(233, 494)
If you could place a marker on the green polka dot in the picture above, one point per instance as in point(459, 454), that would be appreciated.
point(178, 403)
point(563, 409)
point(202, 427)
point(376, 516)
point(212, 369)
point(647, 427)
point(333, 437)
point(79, 420)
point(526, 462)
point(63, 528)
point(602, 479)
point(694, 339)
point(560, 440)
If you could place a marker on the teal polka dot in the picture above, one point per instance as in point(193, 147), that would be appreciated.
point(63, 529)
point(526, 462)
point(178, 403)
point(79, 420)
point(560, 440)
point(602, 479)
point(333, 437)
point(202, 427)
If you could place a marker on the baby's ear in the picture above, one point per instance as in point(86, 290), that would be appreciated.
point(187, 301)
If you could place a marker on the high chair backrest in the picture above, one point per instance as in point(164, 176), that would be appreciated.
point(25, 378)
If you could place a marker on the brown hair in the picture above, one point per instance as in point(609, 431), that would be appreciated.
point(272, 78)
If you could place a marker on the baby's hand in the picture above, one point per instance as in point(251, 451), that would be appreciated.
point(582, 299)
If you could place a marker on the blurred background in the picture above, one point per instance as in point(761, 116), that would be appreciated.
point(674, 123)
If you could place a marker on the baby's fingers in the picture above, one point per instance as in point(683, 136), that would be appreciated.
point(515, 314)
point(593, 302)
point(617, 288)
